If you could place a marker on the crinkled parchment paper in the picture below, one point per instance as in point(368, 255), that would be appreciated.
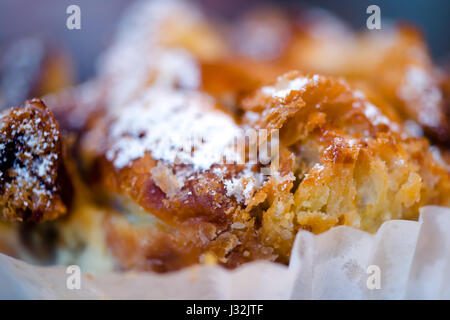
point(413, 260)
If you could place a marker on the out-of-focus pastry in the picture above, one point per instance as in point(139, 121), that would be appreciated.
point(395, 61)
point(31, 167)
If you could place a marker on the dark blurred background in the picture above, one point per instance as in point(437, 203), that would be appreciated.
point(47, 18)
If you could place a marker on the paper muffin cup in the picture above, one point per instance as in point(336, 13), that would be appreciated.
point(403, 260)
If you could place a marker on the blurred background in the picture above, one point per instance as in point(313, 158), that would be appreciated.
point(47, 18)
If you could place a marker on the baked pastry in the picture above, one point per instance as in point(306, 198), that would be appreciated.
point(31, 167)
point(194, 146)
point(341, 161)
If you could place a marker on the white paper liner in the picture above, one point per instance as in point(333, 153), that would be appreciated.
point(413, 257)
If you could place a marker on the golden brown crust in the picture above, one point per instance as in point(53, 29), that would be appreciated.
point(30, 164)
point(361, 167)
point(194, 221)
point(342, 161)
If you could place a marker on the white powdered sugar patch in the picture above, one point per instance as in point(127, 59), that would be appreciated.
point(419, 87)
point(130, 70)
point(284, 86)
point(153, 99)
point(174, 126)
point(317, 169)
point(372, 112)
point(437, 156)
point(144, 19)
point(413, 129)
point(155, 106)
point(243, 187)
point(139, 59)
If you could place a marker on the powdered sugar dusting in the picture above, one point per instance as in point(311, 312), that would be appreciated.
point(130, 70)
point(284, 86)
point(372, 112)
point(155, 105)
point(27, 156)
point(174, 126)
point(244, 186)
point(154, 102)
point(419, 86)
point(138, 59)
